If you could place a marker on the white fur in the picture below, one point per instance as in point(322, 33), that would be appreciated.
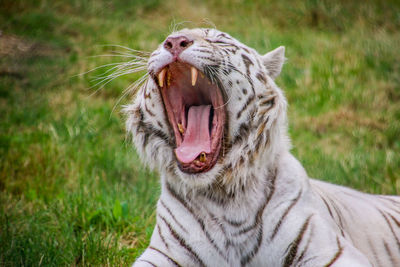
point(274, 60)
point(257, 204)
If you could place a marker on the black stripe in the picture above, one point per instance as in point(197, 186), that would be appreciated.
point(202, 51)
point(208, 58)
point(390, 226)
point(245, 49)
point(171, 260)
point(331, 214)
point(148, 130)
point(339, 217)
point(149, 111)
point(340, 225)
point(230, 49)
point(151, 61)
point(303, 253)
point(145, 140)
point(247, 62)
point(395, 220)
point(152, 264)
point(242, 133)
point(233, 223)
point(220, 42)
point(304, 263)
point(248, 77)
point(223, 35)
point(249, 100)
point(229, 67)
point(199, 220)
point(278, 225)
point(257, 219)
point(247, 258)
point(173, 217)
point(290, 256)
point(392, 260)
point(337, 255)
point(179, 198)
point(217, 195)
point(268, 102)
point(393, 202)
point(262, 124)
point(327, 205)
point(260, 76)
point(375, 255)
point(161, 236)
point(216, 221)
point(182, 242)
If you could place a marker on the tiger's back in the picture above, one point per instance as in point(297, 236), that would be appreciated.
point(370, 222)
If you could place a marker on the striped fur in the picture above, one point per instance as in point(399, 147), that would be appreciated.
point(256, 206)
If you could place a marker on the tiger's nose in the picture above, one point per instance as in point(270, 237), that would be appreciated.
point(175, 45)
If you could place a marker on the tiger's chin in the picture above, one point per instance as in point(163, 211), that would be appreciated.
point(194, 106)
point(186, 182)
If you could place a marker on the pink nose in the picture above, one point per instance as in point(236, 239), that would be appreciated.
point(175, 45)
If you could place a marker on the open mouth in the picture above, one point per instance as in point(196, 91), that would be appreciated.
point(196, 113)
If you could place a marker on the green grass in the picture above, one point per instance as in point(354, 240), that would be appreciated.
point(73, 191)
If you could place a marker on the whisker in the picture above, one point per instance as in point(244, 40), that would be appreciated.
point(110, 55)
point(137, 85)
point(118, 53)
point(137, 63)
point(119, 72)
point(110, 77)
point(174, 25)
point(96, 68)
point(126, 65)
point(207, 21)
point(127, 48)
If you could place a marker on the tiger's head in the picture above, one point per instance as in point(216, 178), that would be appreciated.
point(210, 111)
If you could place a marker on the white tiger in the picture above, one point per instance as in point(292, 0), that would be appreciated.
point(213, 122)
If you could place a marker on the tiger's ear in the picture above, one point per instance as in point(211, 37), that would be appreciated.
point(274, 60)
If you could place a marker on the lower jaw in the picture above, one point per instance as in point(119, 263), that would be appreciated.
point(193, 168)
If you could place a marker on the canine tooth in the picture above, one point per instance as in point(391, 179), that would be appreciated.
point(161, 77)
point(203, 157)
point(180, 128)
point(194, 73)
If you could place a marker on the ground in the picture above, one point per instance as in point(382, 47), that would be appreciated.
point(72, 189)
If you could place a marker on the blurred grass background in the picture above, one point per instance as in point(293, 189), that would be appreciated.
point(72, 189)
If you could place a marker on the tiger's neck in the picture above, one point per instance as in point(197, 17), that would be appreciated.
point(257, 183)
point(214, 207)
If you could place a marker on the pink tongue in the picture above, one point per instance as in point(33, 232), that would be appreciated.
point(197, 135)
